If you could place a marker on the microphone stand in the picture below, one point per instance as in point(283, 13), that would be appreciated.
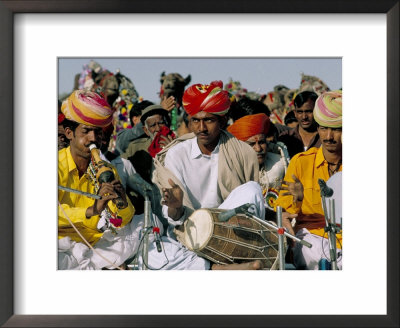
point(330, 226)
point(280, 238)
point(147, 226)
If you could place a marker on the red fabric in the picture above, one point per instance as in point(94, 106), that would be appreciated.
point(61, 118)
point(155, 147)
point(210, 98)
point(161, 92)
point(116, 222)
point(250, 125)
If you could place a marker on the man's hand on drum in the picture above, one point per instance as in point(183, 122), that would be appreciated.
point(293, 188)
point(173, 198)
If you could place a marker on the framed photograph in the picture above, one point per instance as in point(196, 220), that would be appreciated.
point(34, 35)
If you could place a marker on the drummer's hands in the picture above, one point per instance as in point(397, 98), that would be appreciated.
point(287, 221)
point(293, 188)
point(173, 198)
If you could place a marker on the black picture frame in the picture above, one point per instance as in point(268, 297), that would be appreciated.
point(7, 11)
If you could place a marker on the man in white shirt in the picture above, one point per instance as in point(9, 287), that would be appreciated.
point(208, 168)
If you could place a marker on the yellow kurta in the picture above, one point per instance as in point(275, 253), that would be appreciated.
point(308, 167)
point(75, 205)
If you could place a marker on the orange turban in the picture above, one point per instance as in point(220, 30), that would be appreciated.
point(250, 125)
point(210, 98)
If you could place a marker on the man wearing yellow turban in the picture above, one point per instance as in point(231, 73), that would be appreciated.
point(300, 194)
point(85, 114)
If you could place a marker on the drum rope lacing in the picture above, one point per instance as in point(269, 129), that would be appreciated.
point(261, 252)
point(255, 231)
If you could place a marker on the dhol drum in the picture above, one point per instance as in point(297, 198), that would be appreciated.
point(240, 239)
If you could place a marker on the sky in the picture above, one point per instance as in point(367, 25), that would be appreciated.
point(255, 74)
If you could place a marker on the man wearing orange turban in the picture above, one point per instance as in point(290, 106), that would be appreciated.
point(253, 129)
point(207, 168)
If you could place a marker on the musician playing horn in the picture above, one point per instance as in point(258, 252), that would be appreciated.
point(100, 222)
point(207, 168)
point(300, 195)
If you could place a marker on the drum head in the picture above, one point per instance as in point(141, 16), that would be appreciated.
point(198, 230)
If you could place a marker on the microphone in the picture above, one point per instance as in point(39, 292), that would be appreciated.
point(273, 148)
point(156, 233)
point(225, 216)
point(138, 184)
point(325, 190)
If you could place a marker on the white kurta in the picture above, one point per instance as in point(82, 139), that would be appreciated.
point(198, 173)
point(273, 169)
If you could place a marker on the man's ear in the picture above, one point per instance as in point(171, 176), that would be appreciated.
point(69, 133)
point(223, 121)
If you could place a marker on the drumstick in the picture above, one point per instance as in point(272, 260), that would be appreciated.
point(79, 192)
point(303, 242)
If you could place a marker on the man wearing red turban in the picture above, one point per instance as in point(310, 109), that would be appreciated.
point(207, 168)
point(253, 129)
point(210, 98)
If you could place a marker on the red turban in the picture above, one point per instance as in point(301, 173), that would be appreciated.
point(210, 98)
point(250, 125)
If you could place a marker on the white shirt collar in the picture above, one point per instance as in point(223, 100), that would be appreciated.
point(196, 152)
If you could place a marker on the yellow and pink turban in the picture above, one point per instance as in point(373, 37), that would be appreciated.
point(250, 125)
point(328, 109)
point(210, 98)
point(87, 107)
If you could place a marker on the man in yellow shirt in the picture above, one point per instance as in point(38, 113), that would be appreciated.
point(300, 192)
point(97, 222)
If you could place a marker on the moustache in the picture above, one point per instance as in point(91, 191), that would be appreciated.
point(331, 142)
